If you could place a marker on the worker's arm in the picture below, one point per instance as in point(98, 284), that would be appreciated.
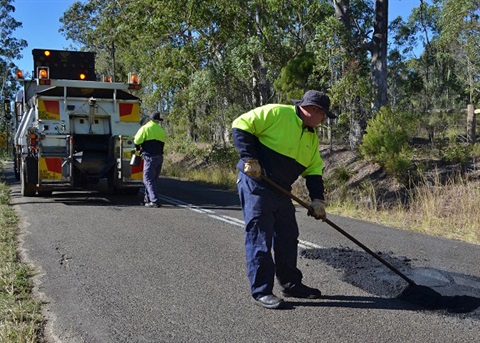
point(245, 143)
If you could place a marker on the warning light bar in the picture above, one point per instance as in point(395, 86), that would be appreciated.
point(134, 81)
point(65, 65)
point(19, 74)
point(43, 74)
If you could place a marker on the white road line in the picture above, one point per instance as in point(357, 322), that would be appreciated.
point(223, 218)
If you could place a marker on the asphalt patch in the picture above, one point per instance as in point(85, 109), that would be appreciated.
point(433, 289)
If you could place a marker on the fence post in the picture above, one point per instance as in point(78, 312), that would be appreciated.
point(471, 124)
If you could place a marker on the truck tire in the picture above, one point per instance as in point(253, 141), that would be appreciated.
point(16, 169)
point(28, 189)
point(16, 162)
point(112, 186)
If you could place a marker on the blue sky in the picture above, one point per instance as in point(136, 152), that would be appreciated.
point(40, 24)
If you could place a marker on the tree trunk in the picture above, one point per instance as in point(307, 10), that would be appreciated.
point(342, 12)
point(260, 81)
point(378, 49)
point(471, 123)
point(379, 53)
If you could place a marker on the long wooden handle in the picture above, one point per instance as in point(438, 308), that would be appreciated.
point(343, 232)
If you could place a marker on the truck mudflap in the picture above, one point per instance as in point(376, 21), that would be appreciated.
point(50, 169)
point(126, 178)
point(53, 160)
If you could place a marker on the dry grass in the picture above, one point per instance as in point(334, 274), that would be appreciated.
point(21, 320)
point(216, 176)
point(451, 210)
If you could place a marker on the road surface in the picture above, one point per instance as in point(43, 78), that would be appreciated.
point(110, 270)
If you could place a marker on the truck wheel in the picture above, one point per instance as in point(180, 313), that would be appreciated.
point(112, 188)
point(28, 190)
point(16, 162)
point(15, 170)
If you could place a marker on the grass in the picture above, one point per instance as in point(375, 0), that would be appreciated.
point(21, 320)
point(449, 210)
point(20, 312)
point(214, 165)
point(218, 177)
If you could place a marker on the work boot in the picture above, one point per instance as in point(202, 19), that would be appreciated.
point(301, 291)
point(270, 301)
point(152, 204)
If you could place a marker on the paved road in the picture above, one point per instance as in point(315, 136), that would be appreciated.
point(110, 270)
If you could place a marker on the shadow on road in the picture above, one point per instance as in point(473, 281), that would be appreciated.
point(190, 192)
point(458, 293)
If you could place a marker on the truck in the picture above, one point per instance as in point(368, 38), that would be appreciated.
point(72, 130)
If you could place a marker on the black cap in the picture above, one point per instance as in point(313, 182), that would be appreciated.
point(155, 116)
point(318, 99)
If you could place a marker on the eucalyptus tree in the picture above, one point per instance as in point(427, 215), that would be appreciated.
point(202, 62)
point(460, 36)
point(92, 25)
point(366, 22)
point(10, 48)
point(420, 74)
point(343, 61)
point(304, 64)
point(438, 80)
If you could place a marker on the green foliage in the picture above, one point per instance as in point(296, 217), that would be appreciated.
point(475, 151)
point(10, 49)
point(226, 157)
point(186, 147)
point(386, 142)
point(460, 35)
point(341, 175)
point(337, 182)
point(293, 79)
point(457, 153)
point(200, 61)
point(401, 167)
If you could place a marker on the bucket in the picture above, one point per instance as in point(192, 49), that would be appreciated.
point(135, 160)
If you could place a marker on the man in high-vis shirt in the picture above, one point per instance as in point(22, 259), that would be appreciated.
point(278, 141)
point(150, 138)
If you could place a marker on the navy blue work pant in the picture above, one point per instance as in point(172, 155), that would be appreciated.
point(152, 166)
point(269, 223)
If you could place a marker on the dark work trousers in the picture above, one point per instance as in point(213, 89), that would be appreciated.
point(152, 166)
point(269, 223)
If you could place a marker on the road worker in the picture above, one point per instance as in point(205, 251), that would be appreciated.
point(150, 139)
point(279, 142)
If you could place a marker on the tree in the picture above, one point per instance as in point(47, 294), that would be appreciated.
point(439, 80)
point(376, 43)
point(10, 48)
point(344, 61)
point(460, 35)
point(86, 24)
point(202, 62)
